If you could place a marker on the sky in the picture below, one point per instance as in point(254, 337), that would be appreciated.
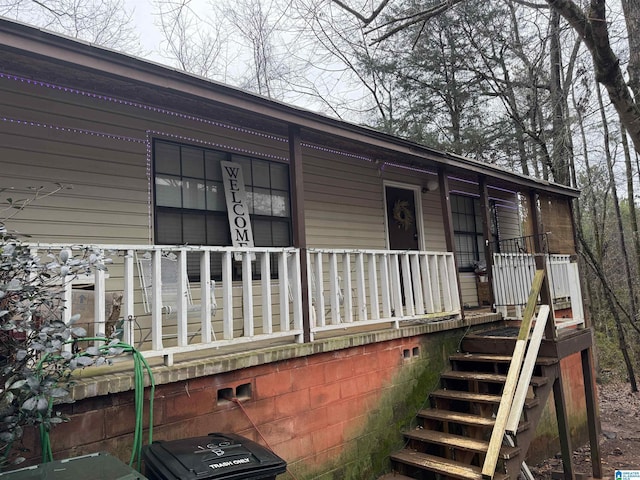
point(144, 19)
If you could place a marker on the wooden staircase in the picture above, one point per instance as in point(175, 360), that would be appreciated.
point(451, 439)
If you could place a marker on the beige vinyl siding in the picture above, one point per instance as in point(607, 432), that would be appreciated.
point(343, 202)
point(109, 201)
point(434, 236)
point(85, 142)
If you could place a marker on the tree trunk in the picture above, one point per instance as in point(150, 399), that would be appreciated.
point(631, 197)
point(592, 27)
point(611, 302)
point(616, 205)
point(559, 164)
point(631, 9)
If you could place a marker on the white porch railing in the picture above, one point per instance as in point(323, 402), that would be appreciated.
point(263, 284)
point(348, 287)
point(513, 274)
point(249, 295)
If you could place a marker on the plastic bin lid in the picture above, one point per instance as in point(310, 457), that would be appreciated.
point(217, 456)
point(96, 466)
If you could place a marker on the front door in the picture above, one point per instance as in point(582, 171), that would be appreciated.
point(402, 221)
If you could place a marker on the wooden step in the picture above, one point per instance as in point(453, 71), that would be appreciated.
point(395, 476)
point(493, 358)
point(459, 442)
point(468, 419)
point(449, 468)
point(456, 417)
point(487, 377)
point(477, 397)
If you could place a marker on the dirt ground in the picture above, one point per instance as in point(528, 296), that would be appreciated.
point(619, 438)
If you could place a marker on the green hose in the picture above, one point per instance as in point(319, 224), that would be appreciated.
point(140, 365)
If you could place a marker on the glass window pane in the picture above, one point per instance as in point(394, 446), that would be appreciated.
point(194, 227)
point(281, 234)
point(212, 164)
point(215, 197)
point(262, 233)
point(481, 247)
point(218, 230)
point(456, 221)
point(468, 206)
point(192, 162)
point(261, 177)
point(250, 201)
point(469, 225)
point(168, 228)
point(168, 191)
point(280, 176)
point(167, 158)
point(246, 168)
point(454, 200)
point(193, 194)
point(280, 204)
point(261, 201)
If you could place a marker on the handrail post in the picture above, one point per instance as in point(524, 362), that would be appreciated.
point(128, 299)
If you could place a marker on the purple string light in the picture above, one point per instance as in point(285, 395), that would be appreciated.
point(217, 145)
point(141, 106)
point(194, 118)
point(81, 131)
point(164, 111)
point(407, 167)
point(495, 199)
point(337, 152)
point(149, 189)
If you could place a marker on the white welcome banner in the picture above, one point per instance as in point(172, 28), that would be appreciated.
point(237, 211)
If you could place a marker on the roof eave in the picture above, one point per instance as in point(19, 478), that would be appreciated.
point(37, 42)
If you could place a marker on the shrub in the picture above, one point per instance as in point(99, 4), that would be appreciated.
point(38, 350)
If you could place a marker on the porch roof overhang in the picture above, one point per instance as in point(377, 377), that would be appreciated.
point(79, 64)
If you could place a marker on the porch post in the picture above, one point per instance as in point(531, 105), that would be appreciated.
point(447, 217)
point(593, 422)
point(541, 264)
point(485, 210)
point(297, 216)
point(563, 426)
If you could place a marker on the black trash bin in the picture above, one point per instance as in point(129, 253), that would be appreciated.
point(218, 456)
point(96, 466)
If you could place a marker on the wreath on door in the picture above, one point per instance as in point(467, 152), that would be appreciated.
point(402, 214)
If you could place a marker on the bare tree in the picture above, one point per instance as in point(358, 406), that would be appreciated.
point(193, 42)
point(103, 22)
point(257, 23)
point(590, 24)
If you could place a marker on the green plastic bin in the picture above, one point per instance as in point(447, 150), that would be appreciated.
point(96, 466)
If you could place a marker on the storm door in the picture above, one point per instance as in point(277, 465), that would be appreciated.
point(402, 219)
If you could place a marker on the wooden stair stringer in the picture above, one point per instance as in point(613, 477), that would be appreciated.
point(524, 438)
